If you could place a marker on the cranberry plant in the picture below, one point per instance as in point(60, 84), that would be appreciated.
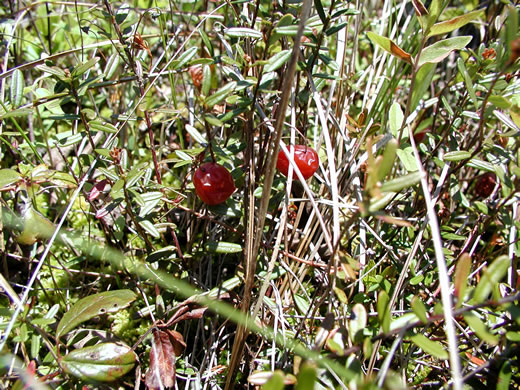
point(315, 194)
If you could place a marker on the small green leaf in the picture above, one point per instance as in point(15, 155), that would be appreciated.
point(419, 309)
point(196, 135)
point(122, 13)
point(480, 329)
point(243, 32)
point(102, 126)
point(92, 306)
point(111, 66)
point(467, 80)
point(389, 46)
point(207, 42)
point(442, 49)
point(401, 182)
point(504, 375)
point(8, 177)
point(17, 86)
point(395, 117)
point(54, 71)
point(291, 31)
point(150, 228)
point(285, 20)
point(104, 362)
point(221, 94)
point(455, 23)
point(82, 68)
point(383, 310)
point(492, 275)
point(223, 247)
point(320, 11)
point(302, 304)
point(407, 159)
point(431, 347)
point(387, 163)
point(461, 277)
point(185, 57)
point(206, 80)
point(277, 60)
point(456, 156)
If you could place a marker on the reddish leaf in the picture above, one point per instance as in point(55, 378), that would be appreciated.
point(191, 315)
point(98, 188)
point(177, 341)
point(161, 373)
point(420, 9)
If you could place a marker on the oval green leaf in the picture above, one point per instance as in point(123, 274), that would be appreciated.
point(82, 68)
point(431, 347)
point(419, 309)
point(480, 329)
point(102, 126)
point(17, 86)
point(383, 310)
point(92, 306)
point(243, 32)
point(185, 57)
point(442, 49)
point(223, 247)
point(277, 60)
point(221, 94)
point(456, 156)
point(494, 274)
point(389, 46)
point(399, 183)
point(104, 362)
point(455, 23)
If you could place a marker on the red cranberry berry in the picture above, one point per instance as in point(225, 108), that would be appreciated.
point(213, 183)
point(305, 158)
point(485, 184)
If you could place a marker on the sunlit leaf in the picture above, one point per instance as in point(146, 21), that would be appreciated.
point(223, 247)
point(419, 309)
point(454, 23)
point(92, 306)
point(401, 182)
point(104, 362)
point(480, 329)
point(442, 49)
point(243, 32)
point(490, 278)
point(431, 347)
point(456, 156)
point(389, 46)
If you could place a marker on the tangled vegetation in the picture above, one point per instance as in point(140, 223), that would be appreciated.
point(149, 240)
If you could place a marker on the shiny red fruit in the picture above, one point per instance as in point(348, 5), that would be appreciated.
point(305, 157)
point(213, 183)
point(485, 184)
